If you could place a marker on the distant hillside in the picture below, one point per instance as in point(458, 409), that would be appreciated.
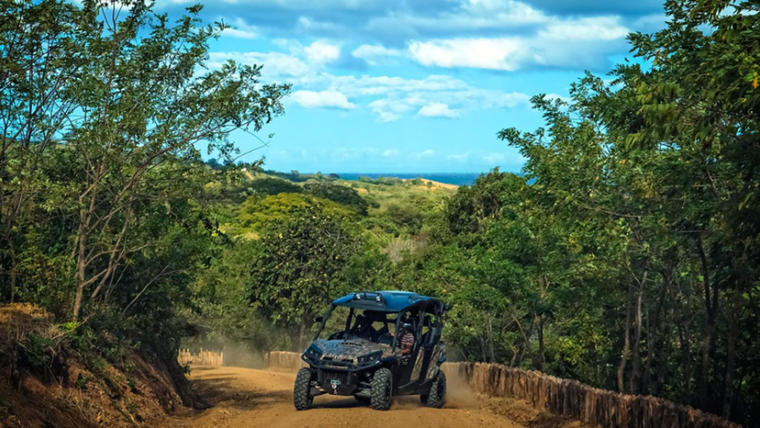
point(458, 179)
point(377, 192)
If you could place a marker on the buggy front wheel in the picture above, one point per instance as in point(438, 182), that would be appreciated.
point(381, 390)
point(302, 398)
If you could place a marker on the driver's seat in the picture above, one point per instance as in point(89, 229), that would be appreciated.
point(360, 330)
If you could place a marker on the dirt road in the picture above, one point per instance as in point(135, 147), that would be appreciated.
point(256, 398)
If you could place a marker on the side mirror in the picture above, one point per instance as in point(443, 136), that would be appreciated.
point(319, 319)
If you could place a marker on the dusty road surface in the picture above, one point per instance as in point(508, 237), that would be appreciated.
point(256, 398)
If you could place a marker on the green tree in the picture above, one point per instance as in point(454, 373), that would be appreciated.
point(337, 193)
point(292, 275)
point(109, 121)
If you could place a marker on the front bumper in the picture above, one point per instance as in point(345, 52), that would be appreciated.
point(338, 382)
point(339, 365)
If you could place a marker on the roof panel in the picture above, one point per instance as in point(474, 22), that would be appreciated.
point(383, 301)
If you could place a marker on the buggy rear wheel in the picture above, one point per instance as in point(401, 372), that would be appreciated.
point(381, 390)
point(302, 397)
point(436, 397)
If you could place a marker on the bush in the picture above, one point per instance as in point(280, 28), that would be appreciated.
point(340, 194)
point(36, 351)
point(406, 217)
point(271, 186)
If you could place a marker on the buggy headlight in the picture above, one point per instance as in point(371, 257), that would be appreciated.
point(313, 352)
point(370, 358)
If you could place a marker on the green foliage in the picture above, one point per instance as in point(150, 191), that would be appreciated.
point(271, 186)
point(292, 274)
point(622, 257)
point(256, 215)
point(103, 186)
point(404, 216)
point(36, 351)
point(626, 255)
point(339, 194)
point(105, 209)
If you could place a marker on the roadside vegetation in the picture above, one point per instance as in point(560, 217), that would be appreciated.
point(625, 254)
point(104, 213)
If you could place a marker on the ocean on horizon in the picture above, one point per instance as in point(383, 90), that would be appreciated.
point(459, 179)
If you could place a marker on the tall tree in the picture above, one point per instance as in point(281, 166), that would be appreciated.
point(118, 88)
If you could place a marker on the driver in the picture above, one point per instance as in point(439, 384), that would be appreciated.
point(406, 341)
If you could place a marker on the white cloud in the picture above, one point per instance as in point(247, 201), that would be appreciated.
point(387, 110)
point(564, 43)
point(391, 153)
point(304, 24)
point(511, 99)
point(277, 66)
point(381, 85)
point(239, 34)
point(330, 99)
point(388, 97)
point(492, 54)
point(458, 156)
point(438, 110)
point(468, 16)
point(241, 30)
point(376, 54)
point(399, 96)
point(425, 154)
point(298, 4)
point(500, 34)
point(493, 158)
point(500, 11)
point(322, 51)
point(344, 154)
point(585, 29)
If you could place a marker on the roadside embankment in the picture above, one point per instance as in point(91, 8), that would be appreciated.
point(567, 398)
point(45, 382)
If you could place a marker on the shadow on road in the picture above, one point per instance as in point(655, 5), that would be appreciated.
point(221, 389)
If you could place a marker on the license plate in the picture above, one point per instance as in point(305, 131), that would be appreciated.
point(335, 383)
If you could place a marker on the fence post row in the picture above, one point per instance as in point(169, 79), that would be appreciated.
point(202, 358)
point(563, 397)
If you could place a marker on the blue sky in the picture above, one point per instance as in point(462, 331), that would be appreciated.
point(415, 85)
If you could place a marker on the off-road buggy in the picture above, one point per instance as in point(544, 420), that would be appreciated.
point(364, 358)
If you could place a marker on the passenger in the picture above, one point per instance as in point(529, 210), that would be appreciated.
point(406, 341)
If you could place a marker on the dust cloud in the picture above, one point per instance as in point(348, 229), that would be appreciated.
point(459, 395)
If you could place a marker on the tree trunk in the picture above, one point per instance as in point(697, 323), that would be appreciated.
point(489, 333)
point(80, 273)
point(626, 342)
point(653, 332)
point(733, 337)
point(662, 365)
point(541, 356)
point(636, 363)
point(711, 309)
point(686, 368)
point(517, 359)
point(705, 374)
